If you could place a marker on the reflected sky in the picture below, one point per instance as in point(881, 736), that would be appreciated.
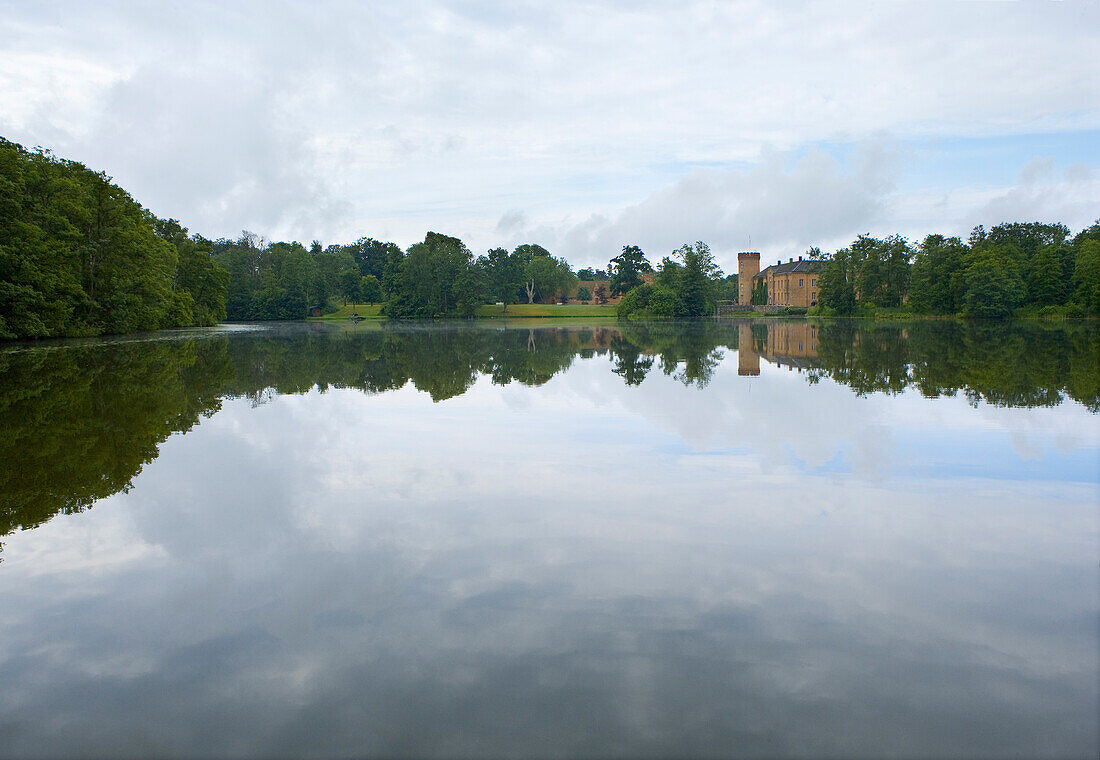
point(761, 566)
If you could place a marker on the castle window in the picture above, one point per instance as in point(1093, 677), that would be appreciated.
point(800, 283)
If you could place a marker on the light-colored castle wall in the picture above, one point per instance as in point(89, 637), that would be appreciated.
point(748, 266)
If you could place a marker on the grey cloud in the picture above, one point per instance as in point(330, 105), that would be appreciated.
point(779, 206)
point(222, 141)
point(511, 221)
point(1072, 198)
point(338, 119)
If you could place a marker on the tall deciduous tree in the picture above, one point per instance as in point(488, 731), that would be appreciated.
point(436, 278)
point(504, 274)
point(693, 280)
point(627, 269)
point(1086, 276)
point(933, 286)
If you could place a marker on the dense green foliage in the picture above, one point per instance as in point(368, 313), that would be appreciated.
point(589, 274)
point(759, 295)
point(544, 277)
point(200, 283)
point(870, 271)
point(1012, 268)
point(278, 280)
point(687, 285)
point(437, 278)
point(78, 256)
point(627, 269)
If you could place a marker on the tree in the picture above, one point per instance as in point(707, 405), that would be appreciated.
point(1044, 281)
point(546, 277)
point(526, 254)
point(933, 279)
point(627, 269)
point(332, 263)
point(584, 295)
point(836, 284)
point(436, 278)
point(349, 285)
point(197, 274)
point(503, 273)
point(370, 290)
point(692, 293)
point(669, 273)
point(881, 269)
point(601, 294)
point(1086, 276)
point(991, 282)
point(371, 255)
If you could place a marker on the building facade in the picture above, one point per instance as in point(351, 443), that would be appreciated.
point(793, 283)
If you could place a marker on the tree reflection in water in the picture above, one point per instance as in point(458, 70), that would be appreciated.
point(79, 420)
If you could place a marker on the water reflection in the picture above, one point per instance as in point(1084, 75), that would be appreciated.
point(619, 541)
point(83, 419)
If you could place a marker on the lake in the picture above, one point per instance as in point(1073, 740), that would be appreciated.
point(771, 538)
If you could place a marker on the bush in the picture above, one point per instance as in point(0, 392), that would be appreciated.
point(662, 302)
point(636, 299)
point(648, 301)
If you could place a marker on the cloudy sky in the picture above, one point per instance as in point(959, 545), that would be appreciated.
point(583, 126)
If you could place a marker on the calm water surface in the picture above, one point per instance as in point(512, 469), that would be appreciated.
point(770, 539)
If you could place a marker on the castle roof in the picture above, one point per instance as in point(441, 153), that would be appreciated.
point(802, 265)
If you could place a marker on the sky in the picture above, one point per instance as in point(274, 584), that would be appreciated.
point(581, 126)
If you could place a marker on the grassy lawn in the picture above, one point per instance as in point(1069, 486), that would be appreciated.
point(516, 310)
point(366, 311)
point(546, 310)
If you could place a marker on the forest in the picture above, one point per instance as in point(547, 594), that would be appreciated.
point(1026, 269)
point(79, 256)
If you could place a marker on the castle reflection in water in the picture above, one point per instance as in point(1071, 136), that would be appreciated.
point(787, 344)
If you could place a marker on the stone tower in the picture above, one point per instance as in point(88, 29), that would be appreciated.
point(748, 266)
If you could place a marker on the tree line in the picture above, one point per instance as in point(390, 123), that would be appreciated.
point(441, 277)
point(1013, 268)
point(79, 256)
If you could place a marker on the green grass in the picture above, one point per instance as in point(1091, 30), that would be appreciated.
point(366, 311)
point(546, 310)
point(487, 311)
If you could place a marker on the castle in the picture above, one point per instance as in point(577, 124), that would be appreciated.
point(790, 284)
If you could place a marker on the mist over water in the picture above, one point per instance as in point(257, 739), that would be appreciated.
point(760, 538)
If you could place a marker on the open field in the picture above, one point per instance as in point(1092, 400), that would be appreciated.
point(547, 310)
point(365, 310)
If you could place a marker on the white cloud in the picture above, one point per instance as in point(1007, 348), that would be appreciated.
point(1044, 194)
point(343, 119)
